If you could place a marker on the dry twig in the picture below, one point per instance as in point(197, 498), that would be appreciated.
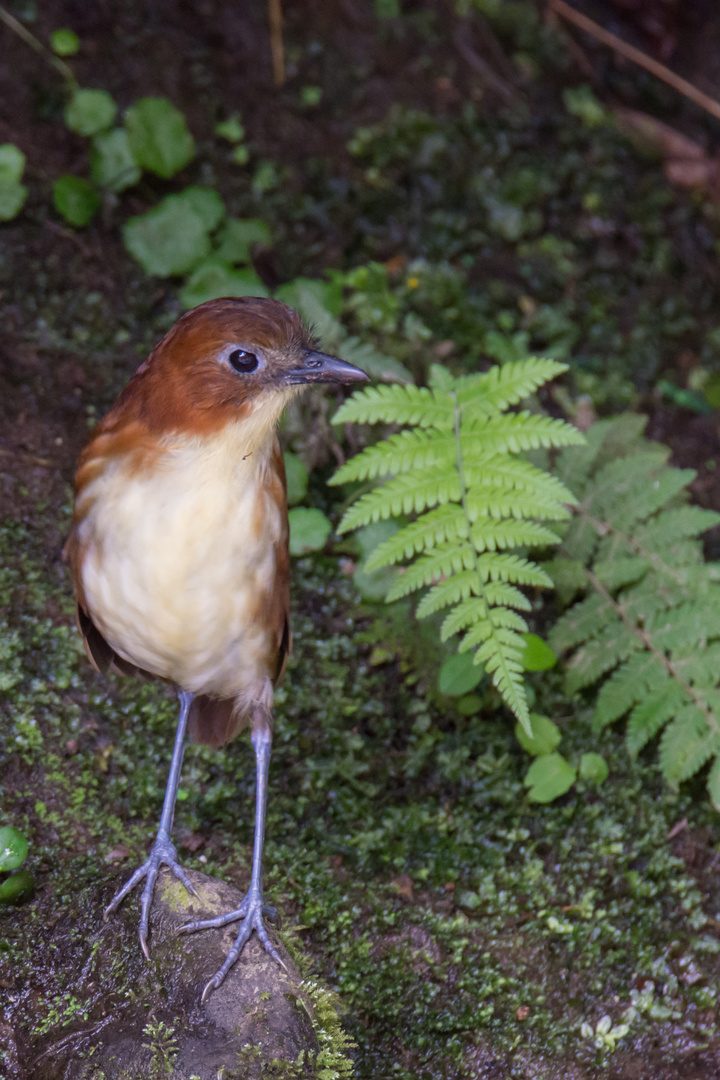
point(565, 11)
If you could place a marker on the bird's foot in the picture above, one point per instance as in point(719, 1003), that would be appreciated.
point(162, 853)
point(251, 911)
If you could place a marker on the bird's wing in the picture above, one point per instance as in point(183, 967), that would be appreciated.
point(101, 655)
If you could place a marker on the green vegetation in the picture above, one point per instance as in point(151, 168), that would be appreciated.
point(473, 500)
point(477, 899)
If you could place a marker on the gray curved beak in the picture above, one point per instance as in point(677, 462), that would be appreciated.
point(317, 367)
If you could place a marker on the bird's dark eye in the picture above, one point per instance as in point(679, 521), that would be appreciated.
point(242, 361)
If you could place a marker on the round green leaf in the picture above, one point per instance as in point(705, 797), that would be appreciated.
point(230, 129)
point(459, 675)
point(374, 585)
point(237, 238)
point(12, 163)
point(537, 654)
point(90, 111)
point(12, 197)
point(111, 164)
point(311, 292)
point(545, 735)
point(309, 530)
point(17, 887)
point(12, 193)
point(213, 279)
point(593, 767)
point(64, 42)
point(13, 848)
point(549, 777)
point(76, 200)
point(207, 204)
point(297, 478)
point(159, 137)
point(169, 239)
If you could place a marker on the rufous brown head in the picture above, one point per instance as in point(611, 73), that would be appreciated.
point(223, 360)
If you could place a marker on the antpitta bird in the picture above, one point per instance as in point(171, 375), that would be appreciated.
point(179, 545)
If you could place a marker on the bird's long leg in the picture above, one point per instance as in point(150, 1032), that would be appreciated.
point(251, 909)
point(163, 850)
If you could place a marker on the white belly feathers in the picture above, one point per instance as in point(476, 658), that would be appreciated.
point(175, 558)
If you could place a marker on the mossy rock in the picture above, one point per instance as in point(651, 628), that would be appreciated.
point(102, 1012)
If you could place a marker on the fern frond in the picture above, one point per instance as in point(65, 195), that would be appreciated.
point(405, 494)
point(652, 713)
point(445, 560)
point(402, 452)
point(581, 622)
point(413, 405)
point(466, 613)
point(492, 535)
point(444, 524)
point(517, 432)
point(473, 501)
point(491, 392)
point(627, 685)
point(615, 572)
point(500, 503)
point(599, 655)
point(648, 630)
point(502, 471)
point(459, 587)
point(687, 743)
point(647, 498)
point(682, 523)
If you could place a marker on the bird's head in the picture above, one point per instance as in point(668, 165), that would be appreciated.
point(229, 360)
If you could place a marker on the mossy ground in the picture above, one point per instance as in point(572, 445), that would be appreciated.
point(466, 931)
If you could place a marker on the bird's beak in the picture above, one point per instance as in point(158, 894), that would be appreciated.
point(317, 367)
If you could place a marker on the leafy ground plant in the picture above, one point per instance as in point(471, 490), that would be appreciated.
point(458, 470)
point(646, 628)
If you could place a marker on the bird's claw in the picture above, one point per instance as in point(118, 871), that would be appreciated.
point(163, 853)
point(251, 911)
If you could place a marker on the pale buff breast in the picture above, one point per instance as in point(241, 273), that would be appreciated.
point(176, 556)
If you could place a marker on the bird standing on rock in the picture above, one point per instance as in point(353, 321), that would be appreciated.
point(179, 545)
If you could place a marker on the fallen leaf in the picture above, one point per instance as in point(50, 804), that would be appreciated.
point(403, 886)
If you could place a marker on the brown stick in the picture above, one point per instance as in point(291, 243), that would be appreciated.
point(22, 32)
point(565, 11)
point(277, 48)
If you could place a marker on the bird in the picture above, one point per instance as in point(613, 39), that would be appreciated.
point(179, 548)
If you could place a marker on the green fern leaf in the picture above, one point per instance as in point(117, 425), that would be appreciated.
point(466, 614)
point(699, 667)
point(687, 743)
point(682, 523)
point(491, 535)
point(599, 655)
point(516, 432)
point(502, 471)
point(403, 452)
point(398, 405)
point(405, 494)
point(581, 623)
point(652, 713)
point(445, 560)
point(459, 587)
point(500, 503)
point(490, 393)
point(626, 687)
point(646, 499)
point(473, 501)
point(692, 623)
point(614, 573)
point(444, 524)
